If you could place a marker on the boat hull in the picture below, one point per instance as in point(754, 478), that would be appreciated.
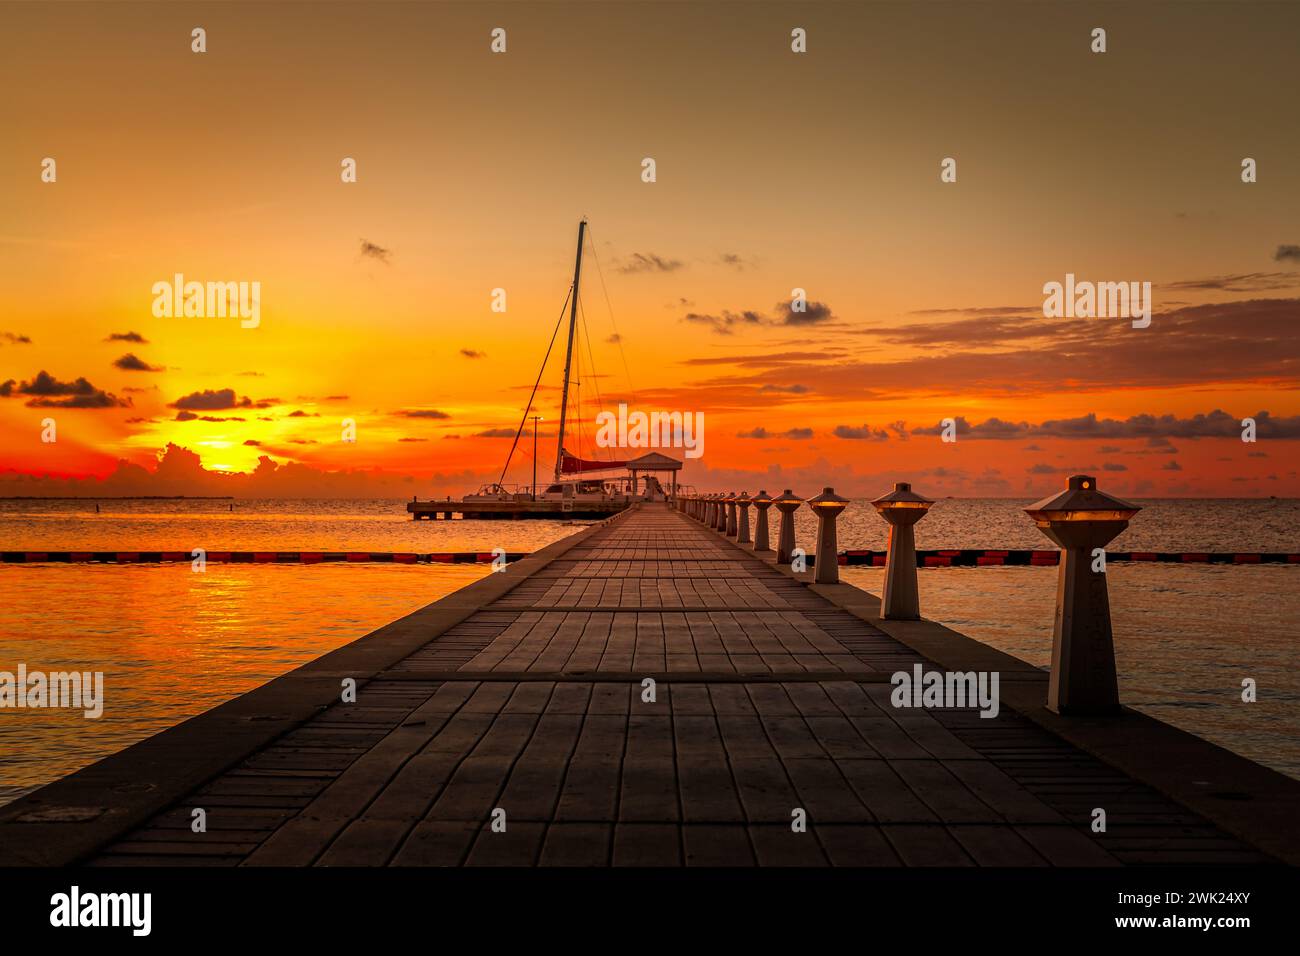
point(506, 510)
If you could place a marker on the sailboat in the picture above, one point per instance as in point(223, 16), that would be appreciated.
point(577, 489)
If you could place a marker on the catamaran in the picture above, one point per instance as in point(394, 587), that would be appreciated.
point(580, 488)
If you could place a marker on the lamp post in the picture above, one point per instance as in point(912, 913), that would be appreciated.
point(787, 504)
point(827, 507)
point(536, 419)
point(720, 523)
point(762, 501)
point(730, 529)
point(1082, 520)
point(742, 525)
point(901, 508)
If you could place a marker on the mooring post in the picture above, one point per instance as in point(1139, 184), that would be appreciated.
point(762, 501)
point(902, 508)
point(787, 504)
point(730, 530)
point(1082, 520)
point(827, 507)
point(742, 526)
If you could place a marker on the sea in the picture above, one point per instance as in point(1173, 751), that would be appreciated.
point(172, 643)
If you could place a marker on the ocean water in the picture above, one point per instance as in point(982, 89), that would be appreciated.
point(172, 643)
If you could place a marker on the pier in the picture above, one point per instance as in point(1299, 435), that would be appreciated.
point(657, 690)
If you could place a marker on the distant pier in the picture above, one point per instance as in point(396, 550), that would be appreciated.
point(654, 691)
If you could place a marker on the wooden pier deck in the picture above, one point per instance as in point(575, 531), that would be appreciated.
point(524, 692)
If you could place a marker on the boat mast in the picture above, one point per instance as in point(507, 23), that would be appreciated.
point(568, 355)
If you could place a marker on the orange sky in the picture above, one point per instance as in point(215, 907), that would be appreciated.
point(775, 171)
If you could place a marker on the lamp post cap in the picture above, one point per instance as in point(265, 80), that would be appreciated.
point(1081, 495)
point(902, 496)
point(788, 497)
point(828, 498)
point(763, 496)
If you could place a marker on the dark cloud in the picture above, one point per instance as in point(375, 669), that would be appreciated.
point(135, 337)
point(184, 416)
point(211, 400)
point(785, 389)
point(1287, 253)
point(14, 339)
point(649, 262)
point(735, 260)
point(299, 413)
point(1171, 466)
point(860, 433)
point(1242, 282)
point(473, 354)
point(496, 433)
point(253, 442)
point(813, 312)
point(423, 413)
point(794, 434)
point(46, 391)
point(614, 339)
point(1156, 429)
point(131, 363)
point(412, 439)
point(371, 251)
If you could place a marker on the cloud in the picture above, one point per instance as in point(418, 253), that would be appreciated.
point(211, 400)
point(299, 413)
point(496, 433)
point(860, 433)
point(1171, 466)
point(135, 337)
point(794, 434)
point(14, 339)
point(473, 354)
point(252, 441)
point(649, 262)
point(1113, 466)
point(784, 314)
point(1156, 429)
point(812, 313)
point(412, 439)
point(614, 339)
point(1287, 253)
point(184, 416)
point(1242, 281)
point(130, 363)
point(371, 251)
point(785, 389)
point(736, 261)
point(45, 391)
point(422, 413)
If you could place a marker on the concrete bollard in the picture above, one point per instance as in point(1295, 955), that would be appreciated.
point(720, 520)
point(787, 504)
point(761, 503)
point(731, 515)
point(827, 507)
point(1082, 520)
point(742, 523)
point(901, 508)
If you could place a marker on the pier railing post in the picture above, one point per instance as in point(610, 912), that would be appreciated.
point(901, 508)
point(827, 507)
point(730, 530)
point(787, 504)
point(1082, 521)
point(761, 503)
point(742, 525)
point(720, 519)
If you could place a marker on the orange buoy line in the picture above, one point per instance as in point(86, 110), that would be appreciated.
point(948, 558)
point(253, 557)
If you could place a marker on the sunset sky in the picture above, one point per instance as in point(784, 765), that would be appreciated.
point(775, 171)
